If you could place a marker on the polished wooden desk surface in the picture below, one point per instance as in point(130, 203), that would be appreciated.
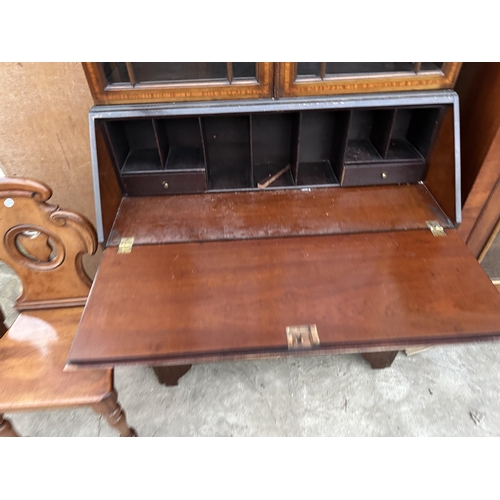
point(274, 213)
point(181, 303)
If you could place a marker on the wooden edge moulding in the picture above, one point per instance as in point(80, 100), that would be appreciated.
point(443, 77)
point(135, 92)
point(159, 82)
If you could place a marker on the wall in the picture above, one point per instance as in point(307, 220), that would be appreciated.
point(44, 130)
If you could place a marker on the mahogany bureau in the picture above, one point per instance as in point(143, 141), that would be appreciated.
point(250, 226)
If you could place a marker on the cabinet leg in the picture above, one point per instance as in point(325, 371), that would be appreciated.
point(380, 360)
point(114, 414)
point(6, 429)
point(170, 375)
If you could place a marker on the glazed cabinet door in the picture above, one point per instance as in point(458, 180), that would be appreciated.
point(143, 82)
point(327, 78)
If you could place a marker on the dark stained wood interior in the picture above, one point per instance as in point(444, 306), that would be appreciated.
point(441, 176)
point(180, 303)
point(109, 181)
point(350, 147)
point(222, 216)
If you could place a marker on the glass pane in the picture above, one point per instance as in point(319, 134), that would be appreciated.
point(431, 66)
point(115, 72)
point(308, 69)
point(179, 71)
point(350, 68)
point(244, 70)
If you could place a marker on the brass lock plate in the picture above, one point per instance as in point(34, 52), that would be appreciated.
point(302, 336)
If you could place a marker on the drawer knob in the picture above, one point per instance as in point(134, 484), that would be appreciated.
point(165, 184)
point(384, 175)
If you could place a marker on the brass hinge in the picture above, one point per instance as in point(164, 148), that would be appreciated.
point(125, 245)
point(435, 227)
point(302, 336)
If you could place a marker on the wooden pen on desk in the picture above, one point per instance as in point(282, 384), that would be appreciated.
point(273, 178)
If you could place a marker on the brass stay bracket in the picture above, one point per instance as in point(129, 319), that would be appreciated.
point(125, 245)
point(435, 227)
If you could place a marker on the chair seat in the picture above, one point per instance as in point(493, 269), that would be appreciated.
point(32, 358)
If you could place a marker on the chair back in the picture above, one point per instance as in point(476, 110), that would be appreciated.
point(44, 245)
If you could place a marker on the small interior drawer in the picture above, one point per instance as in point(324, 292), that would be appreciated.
point(383, 173)
point(165, 183)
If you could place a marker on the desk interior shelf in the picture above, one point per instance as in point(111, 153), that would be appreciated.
point(249, 146)
point(310, 148)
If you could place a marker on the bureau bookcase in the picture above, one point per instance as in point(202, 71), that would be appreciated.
point(263, 226)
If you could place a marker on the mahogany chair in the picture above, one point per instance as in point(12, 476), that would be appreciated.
point(44, 246)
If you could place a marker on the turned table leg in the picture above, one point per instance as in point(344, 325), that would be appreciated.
point(170, 375)
point(6, 429)
point(114, 414)
point(380, 360)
